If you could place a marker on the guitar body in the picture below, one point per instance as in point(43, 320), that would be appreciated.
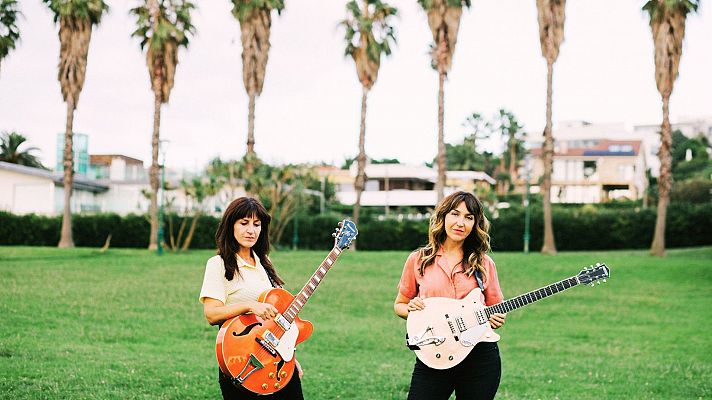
point(245, 353)
point(446, 330)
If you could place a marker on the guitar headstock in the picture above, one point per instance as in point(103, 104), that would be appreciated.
point(593, 274)
point(345, 234)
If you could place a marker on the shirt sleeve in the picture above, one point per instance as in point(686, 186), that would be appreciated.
point(493, 293)
point(408, 286)
point(214, 281)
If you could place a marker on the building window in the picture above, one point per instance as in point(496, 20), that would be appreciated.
point(589, 168)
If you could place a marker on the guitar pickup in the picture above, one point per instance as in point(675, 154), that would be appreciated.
point(266, 346)
point(481, 318)
point(282, 322)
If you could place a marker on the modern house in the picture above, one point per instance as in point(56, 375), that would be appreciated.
point(400, 185)
point(593, 170)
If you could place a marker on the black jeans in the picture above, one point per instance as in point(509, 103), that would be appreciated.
point(293, 390)
point(475, 378)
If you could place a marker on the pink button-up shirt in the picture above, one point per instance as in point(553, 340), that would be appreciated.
point(439, 280)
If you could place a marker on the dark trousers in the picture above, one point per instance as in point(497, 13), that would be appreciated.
point(475, 378)
point(293, 390)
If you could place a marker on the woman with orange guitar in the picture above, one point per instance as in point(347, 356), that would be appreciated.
point(235, 278)
point(450, 265)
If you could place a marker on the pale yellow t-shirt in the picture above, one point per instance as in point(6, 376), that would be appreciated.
point(245, 286)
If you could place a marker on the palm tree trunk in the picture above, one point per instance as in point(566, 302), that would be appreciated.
point(153, 172)
point(657, 248)
point(440, 186)
point(250, 133)
point(442, 74)
point(360, 183)
point(157, 84)
point(513, 159)
point(66, 239)
point(549, 246)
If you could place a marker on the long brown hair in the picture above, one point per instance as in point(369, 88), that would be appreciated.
point(244, 207)
point(476, 244)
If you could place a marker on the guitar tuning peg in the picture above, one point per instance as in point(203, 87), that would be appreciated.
point(598, 282)
point(604, 280)
point(341, 224)
point(333, 235)
point(593, 284)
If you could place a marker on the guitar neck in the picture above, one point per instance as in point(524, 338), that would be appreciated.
point(535, 295)
point(303, 296)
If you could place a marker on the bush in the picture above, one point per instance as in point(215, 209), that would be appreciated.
point(582, 228)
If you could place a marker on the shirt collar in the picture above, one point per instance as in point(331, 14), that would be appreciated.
point(242, 263)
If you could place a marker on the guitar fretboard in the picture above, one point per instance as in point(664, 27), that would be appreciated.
point(303, 296)
point(528, 298)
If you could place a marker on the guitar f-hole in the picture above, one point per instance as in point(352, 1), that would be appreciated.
point(278, 367)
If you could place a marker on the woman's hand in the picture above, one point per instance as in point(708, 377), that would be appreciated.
point(300, 371)
point(497, 320)
point(415, 304)
point(265, 311)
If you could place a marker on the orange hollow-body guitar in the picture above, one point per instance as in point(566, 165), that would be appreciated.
point(258, 355)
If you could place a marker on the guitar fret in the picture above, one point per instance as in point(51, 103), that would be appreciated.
point(528, 298)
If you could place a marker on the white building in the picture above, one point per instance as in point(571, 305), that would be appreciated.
point(25, 190)
point(400, 185)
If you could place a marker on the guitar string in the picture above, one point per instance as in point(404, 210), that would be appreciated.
point(263, 351)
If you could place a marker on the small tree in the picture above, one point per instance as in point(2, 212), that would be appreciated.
point(9, 32)
point(10, 152)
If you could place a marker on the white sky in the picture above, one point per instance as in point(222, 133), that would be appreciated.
point(310, 108)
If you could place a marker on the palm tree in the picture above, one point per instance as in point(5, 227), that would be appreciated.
point(667, 22)
point(255, 18)
point(444, 20)
point(9, 33)
point(551, 34)
point(10, 151)
point(369, 34)
point(163, 27)
point(76, 19)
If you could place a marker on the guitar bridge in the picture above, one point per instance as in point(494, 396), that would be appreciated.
point(420, 340)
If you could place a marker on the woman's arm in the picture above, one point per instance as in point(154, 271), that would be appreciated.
point(403, 305)
point(216, 311)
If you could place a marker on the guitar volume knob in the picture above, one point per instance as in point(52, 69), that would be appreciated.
point(264, 386)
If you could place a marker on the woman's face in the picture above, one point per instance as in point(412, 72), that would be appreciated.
point(247, 231)
point(458, 223)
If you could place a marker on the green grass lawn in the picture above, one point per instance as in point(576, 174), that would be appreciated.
point(128, 324)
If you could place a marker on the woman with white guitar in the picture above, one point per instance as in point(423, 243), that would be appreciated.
point(450, 266)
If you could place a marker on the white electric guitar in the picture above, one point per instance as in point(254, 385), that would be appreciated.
point(446, 330)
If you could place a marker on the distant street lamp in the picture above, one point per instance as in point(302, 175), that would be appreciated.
point(527, 168)
point(162, 149)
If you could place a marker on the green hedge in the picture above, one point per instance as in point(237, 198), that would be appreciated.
point(581, 228)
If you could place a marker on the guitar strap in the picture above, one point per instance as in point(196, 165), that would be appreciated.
point(478, 276)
